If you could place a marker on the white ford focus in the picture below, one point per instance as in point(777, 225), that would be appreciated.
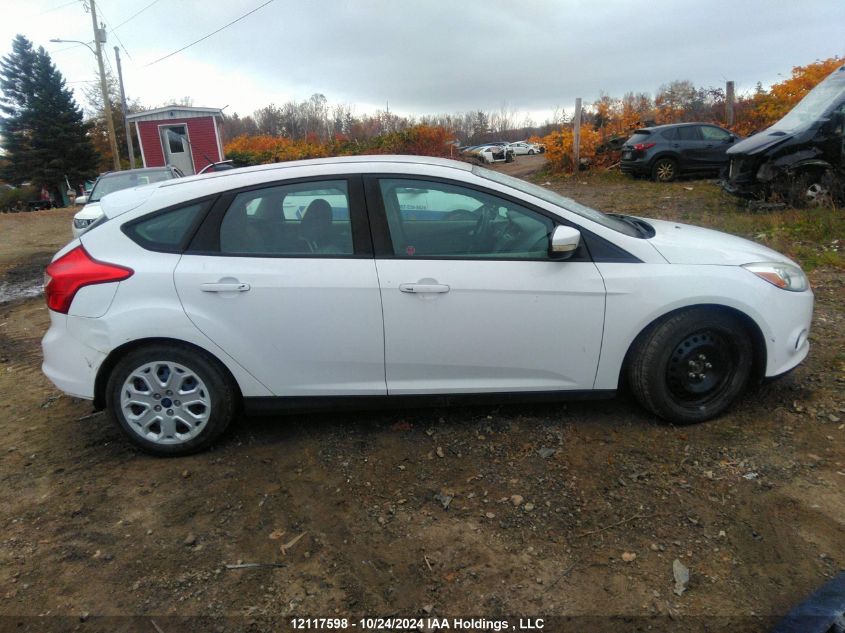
point(349, 281)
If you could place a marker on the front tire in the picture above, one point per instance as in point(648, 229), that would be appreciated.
point(664, 170)
point(170, 400)
point(810, 188)
point(692, 366)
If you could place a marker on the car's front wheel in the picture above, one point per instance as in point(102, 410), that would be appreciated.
point(691, 366)
point(170, 400)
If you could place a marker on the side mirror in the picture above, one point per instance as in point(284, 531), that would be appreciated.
point(564, 242)
point(81, 200)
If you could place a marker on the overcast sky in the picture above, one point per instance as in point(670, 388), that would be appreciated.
point(431, 56)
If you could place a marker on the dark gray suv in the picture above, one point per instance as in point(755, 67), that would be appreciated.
point(666, 151)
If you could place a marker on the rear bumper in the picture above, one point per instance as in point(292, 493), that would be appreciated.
point(70, 364)
point(635, 166)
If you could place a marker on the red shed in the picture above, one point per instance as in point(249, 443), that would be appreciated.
point(182, 136)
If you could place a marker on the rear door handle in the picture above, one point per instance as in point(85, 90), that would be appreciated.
point(225, 287)
point(421, 288)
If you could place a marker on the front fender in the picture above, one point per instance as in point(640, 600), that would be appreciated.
point(638, 295)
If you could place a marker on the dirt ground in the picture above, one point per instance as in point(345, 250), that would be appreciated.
point(567, 512)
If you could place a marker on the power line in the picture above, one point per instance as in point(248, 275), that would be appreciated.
point(61, 6)
point(205, 37)
point(135, 15)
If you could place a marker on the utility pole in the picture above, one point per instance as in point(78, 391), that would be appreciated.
point(129, 145)
point(729, 103)
point(100, 38)
point(576, 136)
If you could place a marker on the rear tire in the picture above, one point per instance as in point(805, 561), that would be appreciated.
point(664, 170)
point(170, 401)
point(691, 366)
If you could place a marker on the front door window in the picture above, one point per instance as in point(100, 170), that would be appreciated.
point(440, 220)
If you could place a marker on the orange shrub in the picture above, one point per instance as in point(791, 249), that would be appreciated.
point(560, 142)
point(420, 140)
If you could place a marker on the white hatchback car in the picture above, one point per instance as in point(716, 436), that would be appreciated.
point(347, 281)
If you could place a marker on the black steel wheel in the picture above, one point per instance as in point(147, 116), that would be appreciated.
point(691, 366)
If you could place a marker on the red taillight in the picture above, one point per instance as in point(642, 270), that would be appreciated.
point(65, 276)
point(644, 146)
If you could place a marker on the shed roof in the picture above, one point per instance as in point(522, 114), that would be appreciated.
point(174, 112)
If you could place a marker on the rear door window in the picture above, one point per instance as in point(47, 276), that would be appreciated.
point(689, 133)
point(302, 219)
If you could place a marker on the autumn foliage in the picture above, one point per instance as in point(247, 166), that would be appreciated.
point(420, 140)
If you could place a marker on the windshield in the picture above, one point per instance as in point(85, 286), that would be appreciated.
point(125, 180)
point(818, 102)
point(561, 201)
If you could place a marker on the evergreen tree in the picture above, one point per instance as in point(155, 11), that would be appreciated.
point(41, 124)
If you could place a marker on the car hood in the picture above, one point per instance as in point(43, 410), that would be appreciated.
point(759, 143)
point(685, 244)
point(90, 211)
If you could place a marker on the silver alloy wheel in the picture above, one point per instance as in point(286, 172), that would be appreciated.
point(165, 402)
point(665, 171)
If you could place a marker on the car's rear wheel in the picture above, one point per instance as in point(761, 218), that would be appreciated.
point(691, 366)
point(664, 170)
point(170, 400)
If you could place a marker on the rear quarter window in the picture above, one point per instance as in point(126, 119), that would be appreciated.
point(166, 231)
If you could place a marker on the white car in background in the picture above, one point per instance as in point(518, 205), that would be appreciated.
point(115, 181)
point(495, 154)
point(354, 281)
point(524, 147)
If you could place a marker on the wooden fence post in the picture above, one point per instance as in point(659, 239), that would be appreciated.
point(729, 104)
point(576, 135)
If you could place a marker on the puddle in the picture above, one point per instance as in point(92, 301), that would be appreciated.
point(12, 291)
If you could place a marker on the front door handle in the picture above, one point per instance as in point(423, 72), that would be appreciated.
point(422, 288)
point(225, 287)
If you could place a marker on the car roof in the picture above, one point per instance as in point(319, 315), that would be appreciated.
point(176, 190)
point(314, 162)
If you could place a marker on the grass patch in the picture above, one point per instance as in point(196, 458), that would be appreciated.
point(814, 237)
